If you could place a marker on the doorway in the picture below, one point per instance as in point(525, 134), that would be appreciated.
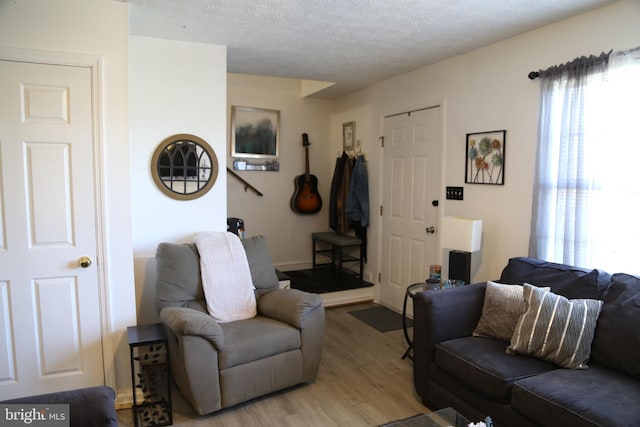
point(50, 307)
point(411, 190)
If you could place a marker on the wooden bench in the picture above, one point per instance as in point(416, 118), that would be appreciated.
point(337, 242)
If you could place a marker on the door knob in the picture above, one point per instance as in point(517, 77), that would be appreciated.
point(85, 262)
point(430, 230)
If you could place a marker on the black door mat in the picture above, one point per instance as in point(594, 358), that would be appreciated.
point(381, 318)
point(322, 280)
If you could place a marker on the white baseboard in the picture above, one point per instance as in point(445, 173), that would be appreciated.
point(352, 296)
point(289, 266)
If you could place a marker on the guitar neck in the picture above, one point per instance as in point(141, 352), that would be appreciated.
point(306, 163)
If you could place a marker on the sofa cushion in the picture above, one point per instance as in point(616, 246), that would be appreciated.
point(255, 339)
point(503, 306)
point(617, 340)
point(568, 281)
point(566, 397)
point(482, 364)
point(556, 329)
point(263, 273)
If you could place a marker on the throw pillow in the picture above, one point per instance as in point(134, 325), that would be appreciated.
point(555, 328)
point(263, 273)
point(226, 278)
point(503, 305)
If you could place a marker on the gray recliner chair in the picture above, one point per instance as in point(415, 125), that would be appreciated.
point(219, 365)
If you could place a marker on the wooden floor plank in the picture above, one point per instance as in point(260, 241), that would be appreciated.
point(362, 382)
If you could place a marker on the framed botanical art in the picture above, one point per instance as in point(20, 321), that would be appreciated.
point(255, 132)
point(484, 157)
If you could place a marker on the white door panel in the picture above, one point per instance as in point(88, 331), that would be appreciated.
point(411, 182)
point(49, 305)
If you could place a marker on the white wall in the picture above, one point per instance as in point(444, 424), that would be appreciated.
point(174, 87)
point(484, 90)
point(100, 28)
point(288, 234)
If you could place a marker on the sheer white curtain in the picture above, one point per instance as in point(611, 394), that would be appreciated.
point(586, 197)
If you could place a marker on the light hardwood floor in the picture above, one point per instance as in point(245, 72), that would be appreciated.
point(362, 382)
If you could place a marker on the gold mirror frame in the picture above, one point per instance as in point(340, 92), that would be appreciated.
point(184, 167)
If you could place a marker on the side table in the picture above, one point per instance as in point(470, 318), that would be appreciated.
point(412, 290)
point(150, 374)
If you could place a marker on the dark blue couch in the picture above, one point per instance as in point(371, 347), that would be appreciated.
point(88, 407)
point(474, 375)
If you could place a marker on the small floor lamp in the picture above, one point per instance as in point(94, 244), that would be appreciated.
point(461, 236)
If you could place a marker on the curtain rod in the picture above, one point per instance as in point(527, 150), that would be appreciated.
point(580, 61)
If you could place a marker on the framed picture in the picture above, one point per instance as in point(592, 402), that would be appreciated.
point(255, 132)
point(484, 162)
point(348, 135)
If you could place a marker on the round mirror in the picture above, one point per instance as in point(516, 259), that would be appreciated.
point(184, 167)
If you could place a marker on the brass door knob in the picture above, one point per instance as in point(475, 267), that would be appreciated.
point(85, 262)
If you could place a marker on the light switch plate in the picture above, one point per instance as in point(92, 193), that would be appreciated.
point(455, 193)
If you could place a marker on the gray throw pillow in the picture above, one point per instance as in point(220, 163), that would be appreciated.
point(555, 329)
point(503, 306)
point(263, 273)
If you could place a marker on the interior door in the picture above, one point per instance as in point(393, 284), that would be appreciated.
point(411, 187)
point(50, 323)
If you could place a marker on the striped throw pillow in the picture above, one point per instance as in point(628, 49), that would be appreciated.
point(555, 328)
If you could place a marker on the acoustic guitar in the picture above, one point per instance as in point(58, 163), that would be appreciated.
point(306, 199)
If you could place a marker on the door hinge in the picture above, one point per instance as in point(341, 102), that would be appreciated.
point(380, 210)
point(379, 277)
point(381, 138)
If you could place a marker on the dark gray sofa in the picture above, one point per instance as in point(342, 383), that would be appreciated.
point(474, 375)
point(88, 407)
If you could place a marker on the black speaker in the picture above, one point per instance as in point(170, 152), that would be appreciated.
point(460, 266)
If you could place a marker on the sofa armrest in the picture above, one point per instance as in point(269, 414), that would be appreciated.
point(88, 407)
point(289, 305)
point(448, 313)
point(440, 316)
point(187, 321)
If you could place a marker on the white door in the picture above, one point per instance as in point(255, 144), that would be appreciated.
point(411, 187)
point(50, 330)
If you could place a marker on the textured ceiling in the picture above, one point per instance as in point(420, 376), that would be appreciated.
point(352, 43)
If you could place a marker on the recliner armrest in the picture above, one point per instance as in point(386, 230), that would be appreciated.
point(289, 305)
point(187, 321)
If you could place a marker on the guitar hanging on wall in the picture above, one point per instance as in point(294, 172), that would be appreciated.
point(306, 199)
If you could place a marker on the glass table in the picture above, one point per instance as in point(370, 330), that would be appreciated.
point(442, 418)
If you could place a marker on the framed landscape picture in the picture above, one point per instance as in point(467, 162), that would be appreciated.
point(255, 132)
point(484, 157)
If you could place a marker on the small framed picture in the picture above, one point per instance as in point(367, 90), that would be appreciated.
point(484, 157)
point(348, 135)
point(255, 132)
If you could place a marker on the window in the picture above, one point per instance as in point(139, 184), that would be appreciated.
point(587, 184)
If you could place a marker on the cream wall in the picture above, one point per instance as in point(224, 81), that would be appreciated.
point(174, 87)
point(98, 29)
point(484, 90)
point(288, 234)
